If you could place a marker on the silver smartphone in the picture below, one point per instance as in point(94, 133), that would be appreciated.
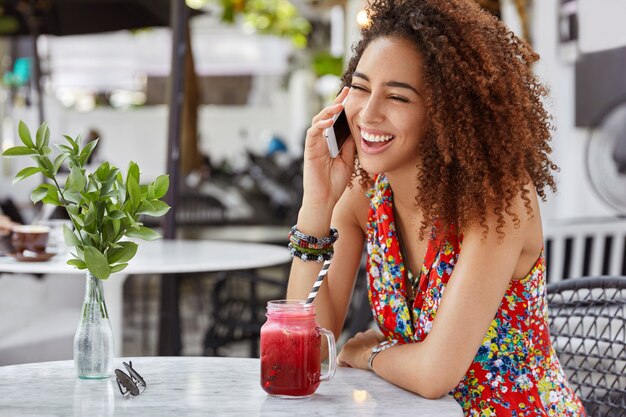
point(337, 134)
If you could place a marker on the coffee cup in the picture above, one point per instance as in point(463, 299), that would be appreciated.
point(32, 238)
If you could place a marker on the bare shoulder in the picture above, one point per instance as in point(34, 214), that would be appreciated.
point(519, 218)
point(516, 232)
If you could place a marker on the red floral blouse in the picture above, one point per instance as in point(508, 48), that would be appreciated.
point(516, 371)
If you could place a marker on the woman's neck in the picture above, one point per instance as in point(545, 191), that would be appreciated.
point(404, 190)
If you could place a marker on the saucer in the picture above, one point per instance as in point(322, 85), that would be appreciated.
point(35, 257)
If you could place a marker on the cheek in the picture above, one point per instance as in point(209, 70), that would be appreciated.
point(351, 107)
point(419, 123)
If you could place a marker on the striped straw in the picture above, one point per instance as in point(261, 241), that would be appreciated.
point(318, 282)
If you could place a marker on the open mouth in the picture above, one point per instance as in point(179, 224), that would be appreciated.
point(374, 143)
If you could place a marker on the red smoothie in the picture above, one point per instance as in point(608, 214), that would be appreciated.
point(290, 355)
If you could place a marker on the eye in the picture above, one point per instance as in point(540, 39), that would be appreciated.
point(400, 99)
point(358, 87)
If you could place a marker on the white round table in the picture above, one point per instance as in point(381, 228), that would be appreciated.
point(202, 386)
point(163, 257)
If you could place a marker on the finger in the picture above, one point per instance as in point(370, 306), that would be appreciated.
point(318, 127)
point(334, 108)
point(327, 112)
point(342, 95)
point(343, 363)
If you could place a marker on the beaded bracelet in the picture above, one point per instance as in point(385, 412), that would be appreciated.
point(307, 241)
point(311, 248)
point(322, 257)
point(309, 251)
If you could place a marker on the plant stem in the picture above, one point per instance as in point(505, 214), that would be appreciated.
point(65, 207)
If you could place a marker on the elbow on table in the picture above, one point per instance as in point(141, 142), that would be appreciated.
point(435, 383)
point(433, 392)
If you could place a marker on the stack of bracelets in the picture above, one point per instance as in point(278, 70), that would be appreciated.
point(311, 248)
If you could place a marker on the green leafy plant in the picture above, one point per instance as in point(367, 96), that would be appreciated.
point(268, 17)
point(103, 205)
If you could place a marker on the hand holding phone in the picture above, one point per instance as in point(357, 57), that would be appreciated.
point(337, 134)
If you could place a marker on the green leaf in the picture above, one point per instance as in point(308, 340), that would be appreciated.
point(155, 208)
point(19, 151)
point(116, 226)
point(45, 164)
point(161, 185)
point(52, 197)
point(160, 207)
point(76, 180)
point(133, 171)
point(39, 193)
point(77, 263)
point(87, 150)
point(66, 149)
point(150, 193)
point(58, 161)
point(72, 143)
point(72, 208)
point(72, 196)
point(134, 192)
point(41, 135)
point(143, 233)
point(145, 208)
point(24, 134)
point(96, 263)
point(118, 267)
point(25, 173)
point(90, 218)
point(46, 136)
point(130, 222)
point(103, 171)
point(70, 238)
point(117, 214)
point(123, 254)
point(78, 219)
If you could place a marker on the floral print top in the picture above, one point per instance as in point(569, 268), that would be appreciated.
point(516, 371)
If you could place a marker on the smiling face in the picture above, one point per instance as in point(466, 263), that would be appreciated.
point(385, 110)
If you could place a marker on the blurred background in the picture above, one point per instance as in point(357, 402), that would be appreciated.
point(255, 72)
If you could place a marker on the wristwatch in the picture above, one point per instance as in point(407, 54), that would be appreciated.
point(379, 348)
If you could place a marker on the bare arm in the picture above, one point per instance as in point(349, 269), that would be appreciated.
point(469, 304)
point(327, 201)
point(334, 295)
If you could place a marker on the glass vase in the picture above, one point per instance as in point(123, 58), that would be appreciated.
point(93, 340)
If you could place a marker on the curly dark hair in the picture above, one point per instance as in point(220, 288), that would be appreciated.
point(488, 133)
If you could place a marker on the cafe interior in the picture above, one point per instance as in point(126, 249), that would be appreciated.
point(218, 95)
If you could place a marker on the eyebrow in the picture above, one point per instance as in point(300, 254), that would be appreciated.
point(388, 83)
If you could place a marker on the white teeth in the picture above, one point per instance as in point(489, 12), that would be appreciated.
point(376, 138)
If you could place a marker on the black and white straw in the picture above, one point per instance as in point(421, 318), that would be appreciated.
point(318, 282)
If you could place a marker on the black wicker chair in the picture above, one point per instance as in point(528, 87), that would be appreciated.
point(239, 299)
point(587, 318)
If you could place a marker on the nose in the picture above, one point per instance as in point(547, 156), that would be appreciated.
point(372, 110)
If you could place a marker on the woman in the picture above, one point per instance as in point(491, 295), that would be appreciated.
point(452, 145)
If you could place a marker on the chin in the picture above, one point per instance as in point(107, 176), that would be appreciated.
point(372, 165)
point(388, 164)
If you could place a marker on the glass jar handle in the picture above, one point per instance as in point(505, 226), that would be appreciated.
point(332, 354)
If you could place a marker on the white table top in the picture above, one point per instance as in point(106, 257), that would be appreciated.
point(163, 257)
point(172, 256)
point(202, 386)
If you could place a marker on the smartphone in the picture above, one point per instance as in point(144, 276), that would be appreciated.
point(337, 134)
